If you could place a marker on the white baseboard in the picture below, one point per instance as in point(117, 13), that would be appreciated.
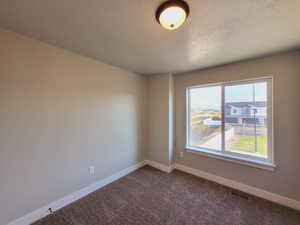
point(291, 203)
point(42, 212)
point(159, 166)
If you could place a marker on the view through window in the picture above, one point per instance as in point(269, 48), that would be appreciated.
point(231, 118)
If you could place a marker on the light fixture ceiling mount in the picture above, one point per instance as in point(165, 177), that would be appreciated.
point(172, 14)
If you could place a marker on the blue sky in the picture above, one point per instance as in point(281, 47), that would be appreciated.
point(210, 97)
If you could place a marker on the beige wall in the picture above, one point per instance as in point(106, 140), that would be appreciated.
point(285, 69)
point(160, 132)
point(59, 114)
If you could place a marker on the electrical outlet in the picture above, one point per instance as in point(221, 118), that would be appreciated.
point(92, 170)
point(181, 154)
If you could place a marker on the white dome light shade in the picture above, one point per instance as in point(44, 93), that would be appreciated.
point(172, 14)
point(172, 18)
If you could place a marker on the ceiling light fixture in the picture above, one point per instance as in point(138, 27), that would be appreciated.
point(172, 14)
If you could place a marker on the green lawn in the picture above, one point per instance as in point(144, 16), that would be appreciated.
point(246, 144)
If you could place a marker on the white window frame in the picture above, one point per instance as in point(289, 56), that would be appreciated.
point(246, 159)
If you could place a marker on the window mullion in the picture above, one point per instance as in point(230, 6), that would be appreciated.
point(223, 117)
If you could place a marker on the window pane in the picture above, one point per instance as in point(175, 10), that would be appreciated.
point(205, 118)
point(246, 119)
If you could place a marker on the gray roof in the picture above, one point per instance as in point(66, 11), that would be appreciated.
point(245, 104)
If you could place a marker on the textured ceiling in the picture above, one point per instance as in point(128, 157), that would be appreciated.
point(125, 33)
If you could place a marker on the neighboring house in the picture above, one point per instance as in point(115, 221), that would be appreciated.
point(246, 112)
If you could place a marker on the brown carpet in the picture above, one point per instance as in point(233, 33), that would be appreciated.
point(151, 197)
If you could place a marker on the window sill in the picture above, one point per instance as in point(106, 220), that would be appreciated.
point(232, 158)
